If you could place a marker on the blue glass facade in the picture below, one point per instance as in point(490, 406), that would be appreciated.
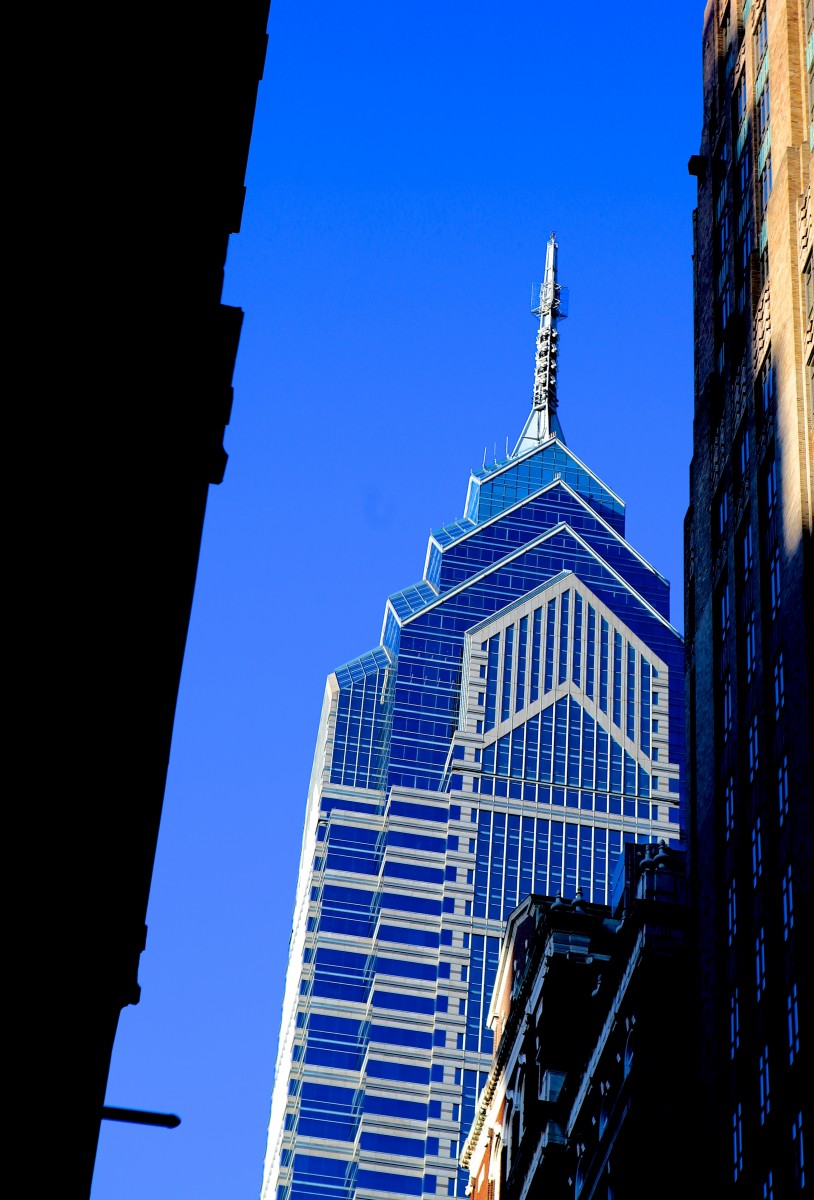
point(521, 719)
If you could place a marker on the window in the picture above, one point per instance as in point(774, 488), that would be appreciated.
point(774, 581)
point(630, 693)
point(757, 853)
point(779, 686)
point(737, 1142)
point(741, 102)
point(508, 661)
point(726, 706)
point(793, 1023)
point(723, 192)
point(720, 358)
point(617, 679)
point(729, 808)
point(762, 113)
point(763, 1085)
point(732, 913)
point(760, 962)
point(723, 236)
point(734, 1023)
point(783, 788)
point(746, 551)
point(788, 903)
point(744, 178)
point(491, 682)
point(723, 512)
point(745, 246)
point(520, 697)
point(750, 639)
point(744, 449)
point(724, 611)
point(771, 487)
point(766, 382)
point(799, 1158)
point(764, 184)
point(744, 182)
point(754, 749)
point(761, 38)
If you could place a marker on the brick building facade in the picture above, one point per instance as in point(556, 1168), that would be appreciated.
point(748, 594)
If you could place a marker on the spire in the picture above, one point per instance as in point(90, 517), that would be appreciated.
point(549, 310)
point(551, 306)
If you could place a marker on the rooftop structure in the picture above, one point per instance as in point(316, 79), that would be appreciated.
point(587, 1095)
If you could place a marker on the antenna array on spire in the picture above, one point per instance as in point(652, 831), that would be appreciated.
point(549, 302)
point(551, 307)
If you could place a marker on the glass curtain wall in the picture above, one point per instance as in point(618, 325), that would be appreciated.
point(521, 719)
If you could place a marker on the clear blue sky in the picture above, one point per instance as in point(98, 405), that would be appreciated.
point(407, 165)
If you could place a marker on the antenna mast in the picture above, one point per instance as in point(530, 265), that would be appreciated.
point(551, 307)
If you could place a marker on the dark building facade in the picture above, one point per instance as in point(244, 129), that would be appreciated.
point(588, 1096)
point(137, 124)
point(748, 598)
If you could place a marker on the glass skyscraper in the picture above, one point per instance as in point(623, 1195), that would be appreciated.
point(521, 718)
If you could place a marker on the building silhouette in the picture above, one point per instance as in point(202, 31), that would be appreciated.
point(588, 1093)
point(749, 602)
point(137, 125)
point(520, 721)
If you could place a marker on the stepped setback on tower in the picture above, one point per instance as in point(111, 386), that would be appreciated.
point(521, 719)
